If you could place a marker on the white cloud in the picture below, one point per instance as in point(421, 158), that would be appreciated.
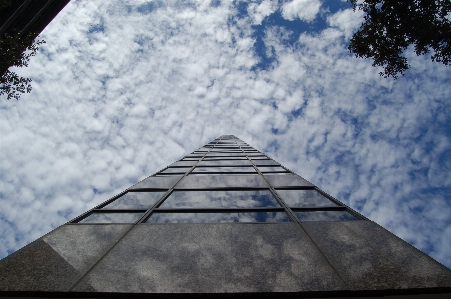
point(348, 21)
point(306, 10)
point(258, 11)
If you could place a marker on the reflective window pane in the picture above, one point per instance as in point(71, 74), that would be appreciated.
point(135, 200)
point(258, 158)
point(304, 198)
point(194, 156)
point(265, 162)
point(271, 168)
point(218, 217)
point(224, 169)
point(222, 181)
point(225, 163)
point(183, 163)
point(324, 216)
point(176, 169)
point(223, 158)
point(287, 180)
point(112, 218)
point(220, 199)
point(210, 154)
point(157, 182)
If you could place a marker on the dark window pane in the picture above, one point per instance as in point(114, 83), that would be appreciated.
point(220, 199)
point(222, 181)
point(183, 163)
point(194, 156)
point(218, 217)
point(135, 200)
point(324, 216)
point(176, 169)
point(223, 158)
point(224, 154)
point(258, 158)
point(224, 169)
point(277, 173)
point(271, 168)
point(288, 180)
point(265, 162)
point(112, 218)
point(224, 163)
point(157, 183)
point(304, 198)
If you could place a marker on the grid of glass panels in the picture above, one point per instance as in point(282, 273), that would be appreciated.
point(225, 157)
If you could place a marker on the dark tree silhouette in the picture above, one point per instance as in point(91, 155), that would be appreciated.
point(16, 49)
point(391, 26)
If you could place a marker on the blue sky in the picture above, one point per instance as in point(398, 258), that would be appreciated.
point(122, 89)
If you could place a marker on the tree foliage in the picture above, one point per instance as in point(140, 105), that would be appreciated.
point(16, 50)
point(391, 26)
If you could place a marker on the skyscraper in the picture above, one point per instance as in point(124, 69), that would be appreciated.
point(29, 15)
point(225, 219)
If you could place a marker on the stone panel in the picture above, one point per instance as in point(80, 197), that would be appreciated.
point(368, 257)
point(36, 267)
point(82, 245)
point(213, 258)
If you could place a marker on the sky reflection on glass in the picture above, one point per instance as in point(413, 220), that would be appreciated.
point(224, 169)
point(271, 168)
point(220, 199)
point(112, 218)
point(210, 154)
point(135, 200)
point(304, 198)
point(218, 217)
point(324, 216)
point(176, 169)
point(224, 163)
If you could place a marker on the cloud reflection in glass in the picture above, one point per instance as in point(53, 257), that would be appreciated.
point(220, 199)
point(218, 217)
point(135, 200)
point(324, 216)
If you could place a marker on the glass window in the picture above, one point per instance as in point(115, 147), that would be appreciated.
point(112, 218)
point(224, 154)
point(258, 158)
point(222, 181)
point(221, 199)
point(183, 163)
point(324, 216)
point(218, 217)
point(304, 198)
point(223, 158)
point(287, 180)
point(224, 169)
point(191, 159)
point(225, 163)
point(271, 169)
point(135, 200)
point(176, 169)
point(194, 156)
point(157, 182)
point(265, 162)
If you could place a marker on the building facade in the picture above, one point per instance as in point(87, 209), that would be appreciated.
point(225, 220)
point(29, 16)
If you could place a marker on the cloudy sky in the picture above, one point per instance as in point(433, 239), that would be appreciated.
point(123, 88)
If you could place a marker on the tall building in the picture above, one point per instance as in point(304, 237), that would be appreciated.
point(29, 15)
point(224, 220)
